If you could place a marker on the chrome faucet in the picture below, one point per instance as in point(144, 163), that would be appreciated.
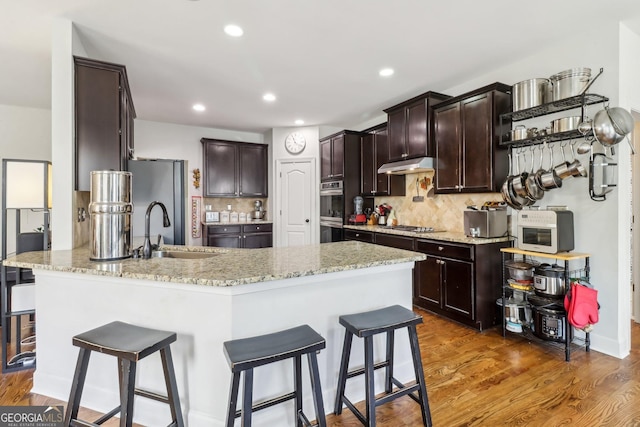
point(146, 247)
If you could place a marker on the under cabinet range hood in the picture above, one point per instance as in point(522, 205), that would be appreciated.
point(403, 167)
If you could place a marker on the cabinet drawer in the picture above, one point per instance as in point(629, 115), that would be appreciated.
point(445, 249)
point(363, 236)
point(394, 241)
point(223, 229)
point(257, 228)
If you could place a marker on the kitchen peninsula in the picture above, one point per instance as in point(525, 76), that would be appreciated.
point(234, 293)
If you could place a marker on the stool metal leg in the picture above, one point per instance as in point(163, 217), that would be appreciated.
point(297, 379)
point(247, 398)
point(76, 386)
point(369, 381)
point(388, 383)
point(172, 386)
point(233, 399)
point(316, 388)
point(417, 366)
point(344, 366)
point(127, 392)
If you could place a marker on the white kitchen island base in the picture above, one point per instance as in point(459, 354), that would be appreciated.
point(204, 317)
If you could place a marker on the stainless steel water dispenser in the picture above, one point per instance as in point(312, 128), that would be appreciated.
point(110, 211)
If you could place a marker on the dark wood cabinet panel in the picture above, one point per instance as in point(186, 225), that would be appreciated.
point(104, 115)
point(362, 236)
point(374, 152)
point(332, 158)
point(466, 135)
point(392, 241)
point(233, 169)
point(253, 170)
point(459, 281)
point(410, 126)
point(258, 240)
point(220, 169)
point(238, 235)
point(447, 135)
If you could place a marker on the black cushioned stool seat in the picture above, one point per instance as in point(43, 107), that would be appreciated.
point(366, 325)
point(245, 354)
point(129, 343)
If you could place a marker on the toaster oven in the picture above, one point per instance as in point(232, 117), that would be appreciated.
point(546, 231)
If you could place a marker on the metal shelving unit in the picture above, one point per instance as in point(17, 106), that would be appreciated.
point(579, 101)
point(528, 329)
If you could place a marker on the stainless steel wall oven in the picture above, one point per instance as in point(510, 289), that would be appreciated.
point(331, 211)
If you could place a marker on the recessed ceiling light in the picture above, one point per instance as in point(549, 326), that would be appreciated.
point(269, 97)
point(199, 107)
point(299, 122)
point(386, 72)
point(233, 30)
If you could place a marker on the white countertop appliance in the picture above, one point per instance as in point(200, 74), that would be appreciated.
point(548, 231)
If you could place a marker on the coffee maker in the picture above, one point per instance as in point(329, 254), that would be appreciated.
point(258, 210)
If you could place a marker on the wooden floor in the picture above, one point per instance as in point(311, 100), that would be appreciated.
point(483, 379)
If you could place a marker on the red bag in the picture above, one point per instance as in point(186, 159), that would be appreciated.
point(581, 303)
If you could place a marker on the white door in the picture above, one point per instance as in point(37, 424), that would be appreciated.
point(296, 202)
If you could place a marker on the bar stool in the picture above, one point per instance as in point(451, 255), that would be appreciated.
point(245, 354)
point(129, 343)
point(366, 325)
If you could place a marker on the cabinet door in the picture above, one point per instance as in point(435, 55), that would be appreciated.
point(325, 160)
point(398, 242)
point(221, 171)
point(396, 121)
point(417, 130)
point(427, 286)
point(476, 143)
point(458, 287)
point(126, 127)
point(447, 139)
point(258, 240)
point(368, 165)
point(97, 121)
point(253, 170)
point(224, 240)
point(337, 157)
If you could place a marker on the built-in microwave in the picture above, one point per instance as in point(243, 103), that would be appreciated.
point(546, 231)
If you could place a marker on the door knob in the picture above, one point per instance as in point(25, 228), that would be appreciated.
point(306, 220)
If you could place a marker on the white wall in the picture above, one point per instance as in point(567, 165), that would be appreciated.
point(65, 44)
point(25, 133)
point(170, 141)
point(597, 224)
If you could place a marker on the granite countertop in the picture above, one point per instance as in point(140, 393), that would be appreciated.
point(446, 236)
point(229, 267)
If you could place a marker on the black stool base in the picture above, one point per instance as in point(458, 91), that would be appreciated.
point(129, 344)
point(366, 325)
point(246, 354)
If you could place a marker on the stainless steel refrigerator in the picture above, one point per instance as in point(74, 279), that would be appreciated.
point(162, 180)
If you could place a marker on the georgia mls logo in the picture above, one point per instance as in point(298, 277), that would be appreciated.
point(31, 416)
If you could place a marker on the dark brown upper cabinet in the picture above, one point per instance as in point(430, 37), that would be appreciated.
point(374, 152)
point(233, 169)
point(332, 158)
point(467, 135)
point(410, 126)
point(104, 115)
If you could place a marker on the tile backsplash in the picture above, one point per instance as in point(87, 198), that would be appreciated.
point(441, 211)
point(237, 204)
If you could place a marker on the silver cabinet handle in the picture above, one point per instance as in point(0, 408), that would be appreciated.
point(258, 227)
point(440, 248)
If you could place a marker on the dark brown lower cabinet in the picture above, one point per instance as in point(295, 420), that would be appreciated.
point(238, 236)
point(362, 236)
point(459, 281)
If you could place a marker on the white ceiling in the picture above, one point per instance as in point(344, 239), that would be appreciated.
point(320, 57)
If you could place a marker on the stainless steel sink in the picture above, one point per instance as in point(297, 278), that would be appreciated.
point(182, 254)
